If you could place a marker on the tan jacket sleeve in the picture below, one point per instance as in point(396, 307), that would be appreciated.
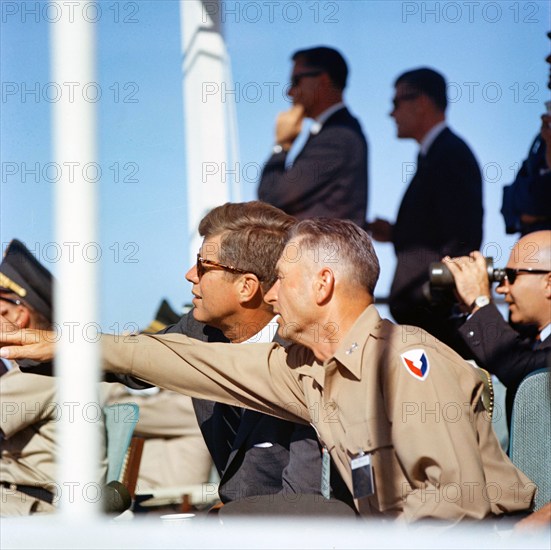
point(255, 376)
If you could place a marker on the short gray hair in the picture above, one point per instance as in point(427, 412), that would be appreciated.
point(340, 241)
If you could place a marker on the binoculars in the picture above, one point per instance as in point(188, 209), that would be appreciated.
point(441, 277)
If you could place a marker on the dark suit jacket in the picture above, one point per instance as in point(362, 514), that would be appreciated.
point(328, 177)
point(502, 351)
point(441, 213)
point(291, 463)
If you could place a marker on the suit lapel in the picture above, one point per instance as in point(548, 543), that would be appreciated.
point(249, 420)
point(336, 115)
point(542, 344)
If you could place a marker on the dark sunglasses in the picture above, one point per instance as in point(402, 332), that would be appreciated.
point(11, 301)
point(513, 273)
point(202, 262)
point(406, 97)
point(296, 78)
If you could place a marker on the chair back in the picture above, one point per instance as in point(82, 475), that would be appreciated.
point(120, 421)
point(530, 441)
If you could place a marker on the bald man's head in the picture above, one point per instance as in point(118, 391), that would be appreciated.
point(527, 288)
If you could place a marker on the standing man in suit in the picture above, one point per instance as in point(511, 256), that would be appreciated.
point(441, 211)
point(496, 346)
point(329, 175)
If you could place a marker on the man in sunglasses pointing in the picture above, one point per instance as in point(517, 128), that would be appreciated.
point(328, 177)
point(495, 345)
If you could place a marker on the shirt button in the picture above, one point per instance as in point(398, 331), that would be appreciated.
point(470, 334)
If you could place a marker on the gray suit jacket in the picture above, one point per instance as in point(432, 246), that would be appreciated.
point(328, 177)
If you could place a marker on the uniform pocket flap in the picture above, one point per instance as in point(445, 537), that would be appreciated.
point(367, 436)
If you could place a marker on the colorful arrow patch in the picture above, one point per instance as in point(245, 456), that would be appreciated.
point(416, 363)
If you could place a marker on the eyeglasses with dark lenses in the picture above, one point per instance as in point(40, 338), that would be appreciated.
point(406, 97)
point(296, 78)
point(513, 273)
point(202, 262)
point(10, 301)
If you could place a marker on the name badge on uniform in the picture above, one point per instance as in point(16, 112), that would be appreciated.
point(362, 476)
point(325, 473)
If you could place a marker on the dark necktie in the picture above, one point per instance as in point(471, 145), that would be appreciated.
point(231, 418)
point(421, 158)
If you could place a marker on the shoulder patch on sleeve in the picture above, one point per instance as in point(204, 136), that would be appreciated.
point(416, 363)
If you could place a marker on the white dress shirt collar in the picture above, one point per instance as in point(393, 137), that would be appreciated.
point(266, 335)
point(321, 119)
point(430, 136)
point(545, 332)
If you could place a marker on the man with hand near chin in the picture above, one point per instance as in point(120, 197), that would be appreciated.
point(496, 346)
point(329, 175)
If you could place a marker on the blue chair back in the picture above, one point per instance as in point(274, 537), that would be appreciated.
point(120, 421)
point(530, 441)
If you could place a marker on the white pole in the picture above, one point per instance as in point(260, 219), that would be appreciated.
point(208, 94)
point(233, 141)
point(77, 358)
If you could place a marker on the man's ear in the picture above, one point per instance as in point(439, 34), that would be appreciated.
point(324, 284)
point(548, 286)
point(248, 288)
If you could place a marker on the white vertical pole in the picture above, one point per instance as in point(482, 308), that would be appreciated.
point(233, 141)
point(77, 358)
point(208, 94)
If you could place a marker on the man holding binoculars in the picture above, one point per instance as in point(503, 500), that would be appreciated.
point(526, 287)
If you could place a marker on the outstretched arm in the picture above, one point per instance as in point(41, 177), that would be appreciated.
point(16, 343)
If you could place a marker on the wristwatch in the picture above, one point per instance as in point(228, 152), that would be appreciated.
point(480, 301)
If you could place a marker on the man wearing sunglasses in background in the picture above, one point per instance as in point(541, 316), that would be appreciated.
point(441, 210)
point(329, 175)
point(496, 346)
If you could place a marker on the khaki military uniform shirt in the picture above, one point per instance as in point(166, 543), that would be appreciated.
point(29, 416)
point(28, 445)
point(391, 392)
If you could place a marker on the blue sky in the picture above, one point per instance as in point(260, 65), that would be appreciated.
point(492, 53)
